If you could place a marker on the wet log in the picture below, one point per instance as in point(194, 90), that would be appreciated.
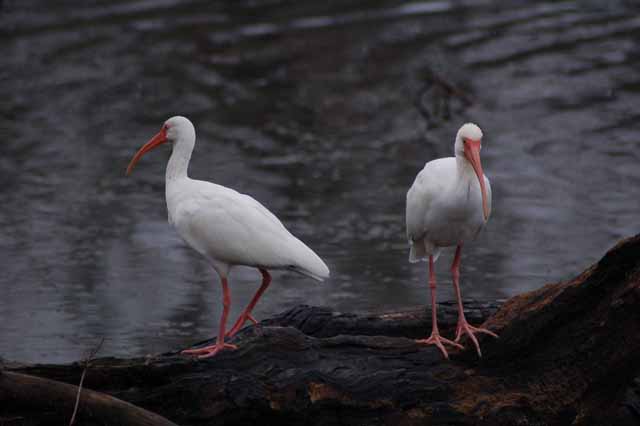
point(30, 400)
point(568, 353)
point(411, 322)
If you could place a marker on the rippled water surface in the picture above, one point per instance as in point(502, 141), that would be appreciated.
point(323, 111)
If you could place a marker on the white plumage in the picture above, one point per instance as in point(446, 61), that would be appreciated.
point(442, 207)
point(226, 227)
point(229, 228)
point(447, 205)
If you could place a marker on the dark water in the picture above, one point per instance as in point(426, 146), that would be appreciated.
point(323, 111)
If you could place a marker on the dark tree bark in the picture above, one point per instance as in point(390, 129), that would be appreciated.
point(567, 353)
point(30, 400)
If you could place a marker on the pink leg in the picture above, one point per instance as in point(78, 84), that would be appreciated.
point(211, 350)
point(435, 338)
point(463, 325)
point(246, 314)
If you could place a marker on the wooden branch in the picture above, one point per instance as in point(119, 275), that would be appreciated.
point(92, 353)
point(34, 400)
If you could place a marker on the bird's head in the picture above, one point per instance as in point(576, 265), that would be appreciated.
point(468, 146)
point(468, 132)
point(177, 130)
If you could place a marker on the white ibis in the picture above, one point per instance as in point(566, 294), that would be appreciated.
point(448, 204)
point(226, 227)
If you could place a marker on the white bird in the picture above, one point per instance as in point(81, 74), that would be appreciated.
point(448, 204)
point(226, 227)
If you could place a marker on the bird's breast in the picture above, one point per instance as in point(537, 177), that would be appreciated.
point(455, 215)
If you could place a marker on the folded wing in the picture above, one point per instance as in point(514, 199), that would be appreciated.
point(224, 225)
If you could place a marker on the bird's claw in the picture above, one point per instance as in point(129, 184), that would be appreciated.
point(465, 328)
point(244, 317)
point(209, 351)
point(438, 340)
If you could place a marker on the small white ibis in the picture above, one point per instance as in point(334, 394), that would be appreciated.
point(226, 227)
point(448, 204)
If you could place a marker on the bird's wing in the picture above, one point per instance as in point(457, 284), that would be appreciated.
point(417, 206)
point(229, 226)
point(420, 198)
point(226, 225)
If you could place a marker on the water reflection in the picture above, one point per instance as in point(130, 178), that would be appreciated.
point(313, 108)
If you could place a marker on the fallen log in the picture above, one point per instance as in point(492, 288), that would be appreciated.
point(30, 400)
point(568, 353)
point(411, 322)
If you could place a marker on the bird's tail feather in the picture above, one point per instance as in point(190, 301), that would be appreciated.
point(307, 273)
point(308, 263)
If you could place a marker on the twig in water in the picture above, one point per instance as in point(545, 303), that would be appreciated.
point(442, 92)
point(87, 361)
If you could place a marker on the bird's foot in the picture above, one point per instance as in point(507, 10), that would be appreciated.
point(439, 341)
point(244, 317)
point(208, 351)
point(465, 328)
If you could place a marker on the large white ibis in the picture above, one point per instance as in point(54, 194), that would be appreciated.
point(226, 227)
point(448, 204)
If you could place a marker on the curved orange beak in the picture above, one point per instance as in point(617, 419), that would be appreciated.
point(157, 140)
point(472, 153)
